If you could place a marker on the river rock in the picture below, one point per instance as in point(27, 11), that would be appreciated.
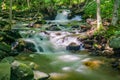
point(21, 71)
point(30, 46)
point(40, 75)
point(93, 64)
point(54, 27)
point(73, 46)
point(115, 43)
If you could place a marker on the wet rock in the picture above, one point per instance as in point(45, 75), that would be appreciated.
point(24, 46)
point(30, 46)
point(40, 49)
point(87, 46)
point(40, 75)
point(37, 24)
point(93, 64)
point(73, 46)
point(53, 27)
point(21, 71)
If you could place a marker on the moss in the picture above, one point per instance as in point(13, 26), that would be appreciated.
point(5, 47)
point(8, 59)
point(21, 72)
point(5, 71)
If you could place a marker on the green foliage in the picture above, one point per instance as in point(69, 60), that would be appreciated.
point(112, 31)
point(5, 71)
point(106, 9)
point(90, 9)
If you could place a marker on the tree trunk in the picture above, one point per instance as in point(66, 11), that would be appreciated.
point(28, 3)
point(115, 13)
point(99, 20)
point(10, 13)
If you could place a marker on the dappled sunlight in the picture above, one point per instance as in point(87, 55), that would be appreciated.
point(93, 64)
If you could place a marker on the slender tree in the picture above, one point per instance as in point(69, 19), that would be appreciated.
point(99, 20)
point(28, 3)
point(115, 12)
point(10, 13)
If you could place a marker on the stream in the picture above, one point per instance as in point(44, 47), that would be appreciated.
point(50, 56)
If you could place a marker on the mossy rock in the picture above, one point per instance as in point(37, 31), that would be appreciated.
point(21, 71)
point(3, 54)
point(7, 36)
point(115, 42)
point(8, 59)
point(5, 71)
point(5, 47)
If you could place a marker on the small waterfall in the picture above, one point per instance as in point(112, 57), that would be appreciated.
point(40, 41)
point(62, 15)
point(77, 18)
point(51, 41)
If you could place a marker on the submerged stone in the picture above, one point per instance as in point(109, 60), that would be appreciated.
point(93, 64)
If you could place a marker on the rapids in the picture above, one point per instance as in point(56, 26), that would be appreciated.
point(60, 63)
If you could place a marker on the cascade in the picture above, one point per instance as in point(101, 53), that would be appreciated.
point(62, 15)
point(65, 66)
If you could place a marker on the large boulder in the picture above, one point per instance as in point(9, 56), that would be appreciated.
point(74, 47)
point(115, 43)
point(21, 71)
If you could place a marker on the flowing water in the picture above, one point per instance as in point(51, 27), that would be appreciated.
point(52, 57)
point(62, 64)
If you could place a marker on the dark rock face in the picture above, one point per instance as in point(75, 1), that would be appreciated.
point(73, 47)
point(30, 46)
point(26, 46)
